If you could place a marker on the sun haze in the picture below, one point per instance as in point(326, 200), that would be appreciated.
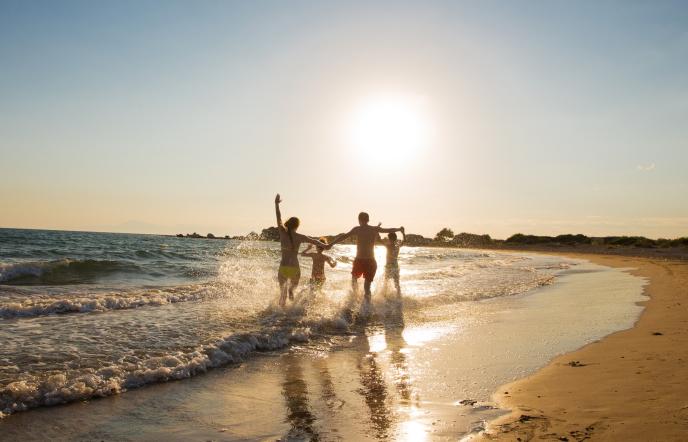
point(390, 129)
point(166, 117)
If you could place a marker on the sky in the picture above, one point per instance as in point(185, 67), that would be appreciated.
point(539, 117)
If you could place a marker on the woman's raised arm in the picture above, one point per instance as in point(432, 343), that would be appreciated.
point(278, 200)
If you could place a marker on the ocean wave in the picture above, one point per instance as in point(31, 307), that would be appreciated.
point(163, 254)
point(43, 305)
point(63, 271)
point(307, 318)
point(60, 388)
point(278, 329)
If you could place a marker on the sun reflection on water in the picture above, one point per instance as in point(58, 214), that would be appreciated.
point(417, 336)
point(377, 343)
point(389, 370)
point(412, 430)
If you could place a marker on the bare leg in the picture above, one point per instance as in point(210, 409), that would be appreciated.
point(397, 284)
point(385, 280)
point(293, 283)
point(366, 286)
point(283, 293)
point(354, 284)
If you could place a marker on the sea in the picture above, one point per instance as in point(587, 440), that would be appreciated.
point(87, 315)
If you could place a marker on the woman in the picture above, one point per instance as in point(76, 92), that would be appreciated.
point(289, 271)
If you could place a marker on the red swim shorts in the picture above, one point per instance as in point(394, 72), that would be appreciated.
point(365, 267)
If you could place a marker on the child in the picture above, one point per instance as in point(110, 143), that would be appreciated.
point(392, 263)
point(319, 259)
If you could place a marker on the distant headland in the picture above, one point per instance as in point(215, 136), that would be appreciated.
point(627, 245)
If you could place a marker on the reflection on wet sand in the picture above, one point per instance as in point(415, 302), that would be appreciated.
point(374, 390)
point(295, 393)
point(395, 343)
point(383, 360)
point(410, 427)
point(402, 379)
point(327, 386)
point(383, 363)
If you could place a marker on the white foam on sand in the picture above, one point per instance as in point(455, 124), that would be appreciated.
point(60, 388)
point(297, 323)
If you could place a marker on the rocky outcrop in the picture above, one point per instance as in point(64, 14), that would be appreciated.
point(269, 234)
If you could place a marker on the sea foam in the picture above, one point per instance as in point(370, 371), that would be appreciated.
point(66, 387)
point(41, 305)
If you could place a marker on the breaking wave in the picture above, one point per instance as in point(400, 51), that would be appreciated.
point(306, 319)
point(281, 329)
point(63, 271)
point(42, 305)
point(64, 387)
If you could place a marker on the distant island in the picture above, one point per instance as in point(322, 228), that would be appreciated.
point(446, 238)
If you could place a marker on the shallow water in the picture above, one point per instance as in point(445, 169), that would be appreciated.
point(210, 304)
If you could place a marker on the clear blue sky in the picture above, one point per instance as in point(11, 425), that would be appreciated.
point(548, 116)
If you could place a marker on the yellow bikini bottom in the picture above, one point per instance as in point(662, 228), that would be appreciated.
point(290, 272)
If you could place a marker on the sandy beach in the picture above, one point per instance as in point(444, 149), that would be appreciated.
point(628, 386)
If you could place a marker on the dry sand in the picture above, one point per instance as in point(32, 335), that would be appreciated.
point(631, 385)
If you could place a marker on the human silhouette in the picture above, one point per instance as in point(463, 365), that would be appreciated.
point(392, 262)
point(289, 271)
point(364, 264)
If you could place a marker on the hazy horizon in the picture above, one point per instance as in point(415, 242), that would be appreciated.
point(149, 229)
point(500, 118)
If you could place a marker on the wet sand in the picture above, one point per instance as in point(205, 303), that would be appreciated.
point(629, 386)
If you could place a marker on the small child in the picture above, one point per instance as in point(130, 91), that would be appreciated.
point(318, 273)
point(392, 263)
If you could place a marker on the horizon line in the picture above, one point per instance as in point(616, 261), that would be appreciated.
point(253, 231)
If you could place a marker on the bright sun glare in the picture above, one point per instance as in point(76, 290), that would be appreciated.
point(390, 128)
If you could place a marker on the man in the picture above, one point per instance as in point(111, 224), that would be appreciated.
point(364, 264)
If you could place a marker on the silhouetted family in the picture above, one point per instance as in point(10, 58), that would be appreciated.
point(364, 264)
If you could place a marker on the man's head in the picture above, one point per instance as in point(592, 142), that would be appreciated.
point(363, 218)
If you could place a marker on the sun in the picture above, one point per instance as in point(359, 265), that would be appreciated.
point(391, 128)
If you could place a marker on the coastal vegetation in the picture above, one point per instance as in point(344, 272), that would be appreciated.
point(446, 238)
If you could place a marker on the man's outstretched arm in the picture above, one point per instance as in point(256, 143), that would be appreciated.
point(342, 237)
point(389, 229)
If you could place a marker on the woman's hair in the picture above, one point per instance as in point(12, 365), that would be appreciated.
point(291, 225)
point(323, 240)
point(392, 236)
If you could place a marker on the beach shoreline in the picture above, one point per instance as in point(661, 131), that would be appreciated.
point(428, 374)
point(627, 386)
